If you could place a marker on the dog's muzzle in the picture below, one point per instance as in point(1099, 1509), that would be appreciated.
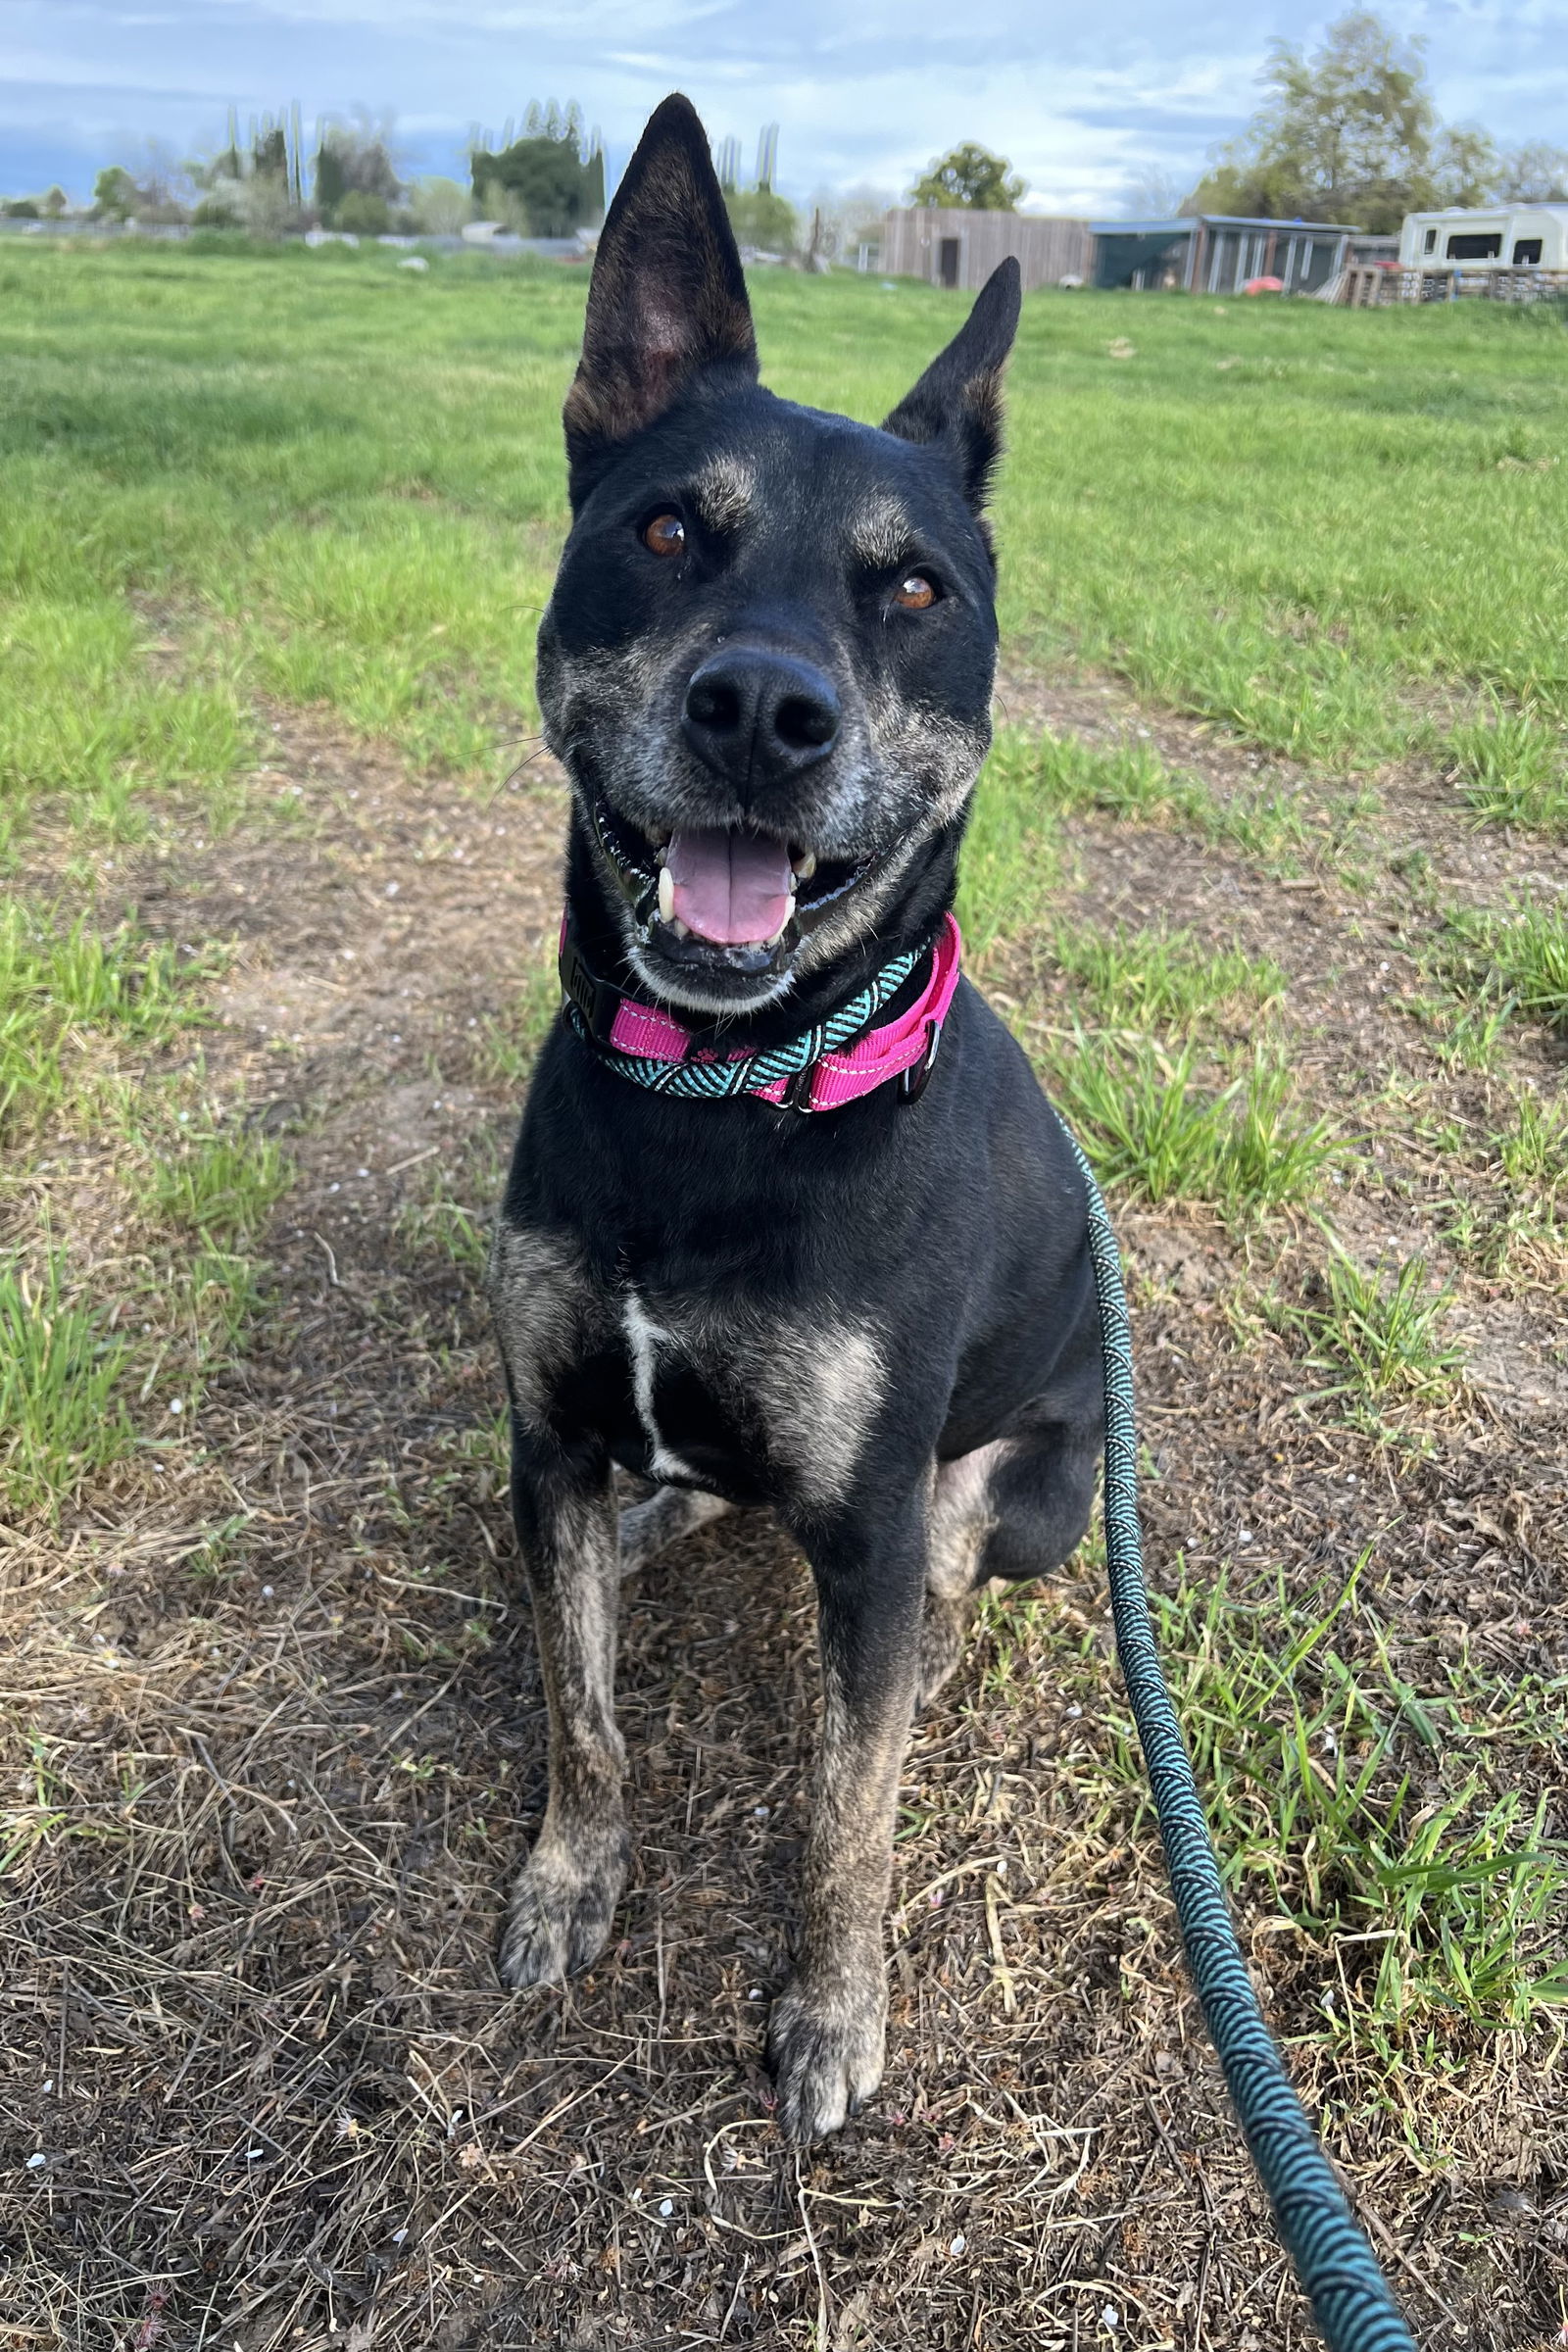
point(662, 882)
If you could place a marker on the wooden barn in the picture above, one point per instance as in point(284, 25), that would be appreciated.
point(957, 247)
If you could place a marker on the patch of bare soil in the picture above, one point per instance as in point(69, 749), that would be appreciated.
point(1425, 825)
point(261, 2086)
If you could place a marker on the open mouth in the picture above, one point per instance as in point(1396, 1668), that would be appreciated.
point(723, 895)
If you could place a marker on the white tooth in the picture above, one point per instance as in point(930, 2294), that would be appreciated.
point(806, 866)
point(666, 895)
point(779, 933)
point(681, 931)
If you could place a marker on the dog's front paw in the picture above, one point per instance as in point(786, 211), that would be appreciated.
point(560, 1914)
point(825, 2043)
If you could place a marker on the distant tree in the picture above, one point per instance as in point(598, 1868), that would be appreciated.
point(163, 183)
point(1346, 134)
point(355, 160)
point(439, 208)
point(1536, 172)
point(115, 194)
point(220, 207)
point(971, 176)
point(1465, 166)
point(850, 218)
point(21, 208)
point(1153, 193)
point(763, 221)
point(549, 183)
point(269, 155)
point(362, 214)
point(266, 207)
point(54, 203)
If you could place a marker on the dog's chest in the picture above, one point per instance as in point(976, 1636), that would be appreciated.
point(760, 1398)
point(758, 1405)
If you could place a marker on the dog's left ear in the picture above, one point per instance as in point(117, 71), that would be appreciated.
point(958, 398)
point(667, 297)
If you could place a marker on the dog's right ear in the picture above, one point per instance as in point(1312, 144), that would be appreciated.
point(667, 297)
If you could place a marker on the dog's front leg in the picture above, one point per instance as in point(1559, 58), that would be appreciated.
point(826, 2033)
point(565, 1898)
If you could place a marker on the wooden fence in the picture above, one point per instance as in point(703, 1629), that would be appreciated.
point(1370, 286)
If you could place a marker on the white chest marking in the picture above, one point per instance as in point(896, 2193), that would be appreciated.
point(643, 1338)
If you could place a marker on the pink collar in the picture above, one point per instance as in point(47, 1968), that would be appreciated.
point(650, 1040)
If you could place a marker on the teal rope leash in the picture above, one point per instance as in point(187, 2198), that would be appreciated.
point(1350, 2296)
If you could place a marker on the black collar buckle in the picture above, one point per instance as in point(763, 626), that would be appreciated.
point(597, 1002)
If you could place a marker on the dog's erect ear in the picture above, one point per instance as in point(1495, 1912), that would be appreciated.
point(669, 294)
point(958, 398)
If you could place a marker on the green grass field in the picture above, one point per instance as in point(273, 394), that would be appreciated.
point(1268, 874)
point(1346, 537)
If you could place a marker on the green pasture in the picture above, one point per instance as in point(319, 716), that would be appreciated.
point(1344, 534)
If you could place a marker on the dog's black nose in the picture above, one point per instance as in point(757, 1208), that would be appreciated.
point(758, 718)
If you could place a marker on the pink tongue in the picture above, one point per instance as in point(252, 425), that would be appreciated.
point(732, 889)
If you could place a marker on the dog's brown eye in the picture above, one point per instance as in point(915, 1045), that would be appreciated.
point(665, 535)
point(915, 592)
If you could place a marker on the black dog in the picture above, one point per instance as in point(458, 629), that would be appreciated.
point(853, 1286)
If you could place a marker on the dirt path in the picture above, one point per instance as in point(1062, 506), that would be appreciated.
point(294, 1724)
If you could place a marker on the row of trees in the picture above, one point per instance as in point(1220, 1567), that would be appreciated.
point(1350, 133)
point(542, 179)
point(546, 182)
point(52, 205)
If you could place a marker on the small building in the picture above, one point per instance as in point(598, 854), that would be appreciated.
point(1504, 236)
point(957, 246)
point(1217, 253)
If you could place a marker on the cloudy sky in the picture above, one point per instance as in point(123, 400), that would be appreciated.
point(865, 91)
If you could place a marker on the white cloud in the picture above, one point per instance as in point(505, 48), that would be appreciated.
point(1075, 101)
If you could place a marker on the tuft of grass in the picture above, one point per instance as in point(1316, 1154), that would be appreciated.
point(1378, 1338)
point(1014, 858)
point(1535, 1154)
point(1520, 954)
point(509, 1041)
point(1512, 771)
point(1163, 982)
point(82, 714)
point(432, 1218)
point(1150, 1125)
point(60, 1416)
point(1046, 773)
point(219, 1186)
point(56, 984)
point(1310, 1749)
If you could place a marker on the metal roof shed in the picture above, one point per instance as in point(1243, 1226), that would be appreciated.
point(1217, 253)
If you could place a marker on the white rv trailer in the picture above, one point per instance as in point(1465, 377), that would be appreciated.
point(1503, 236)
